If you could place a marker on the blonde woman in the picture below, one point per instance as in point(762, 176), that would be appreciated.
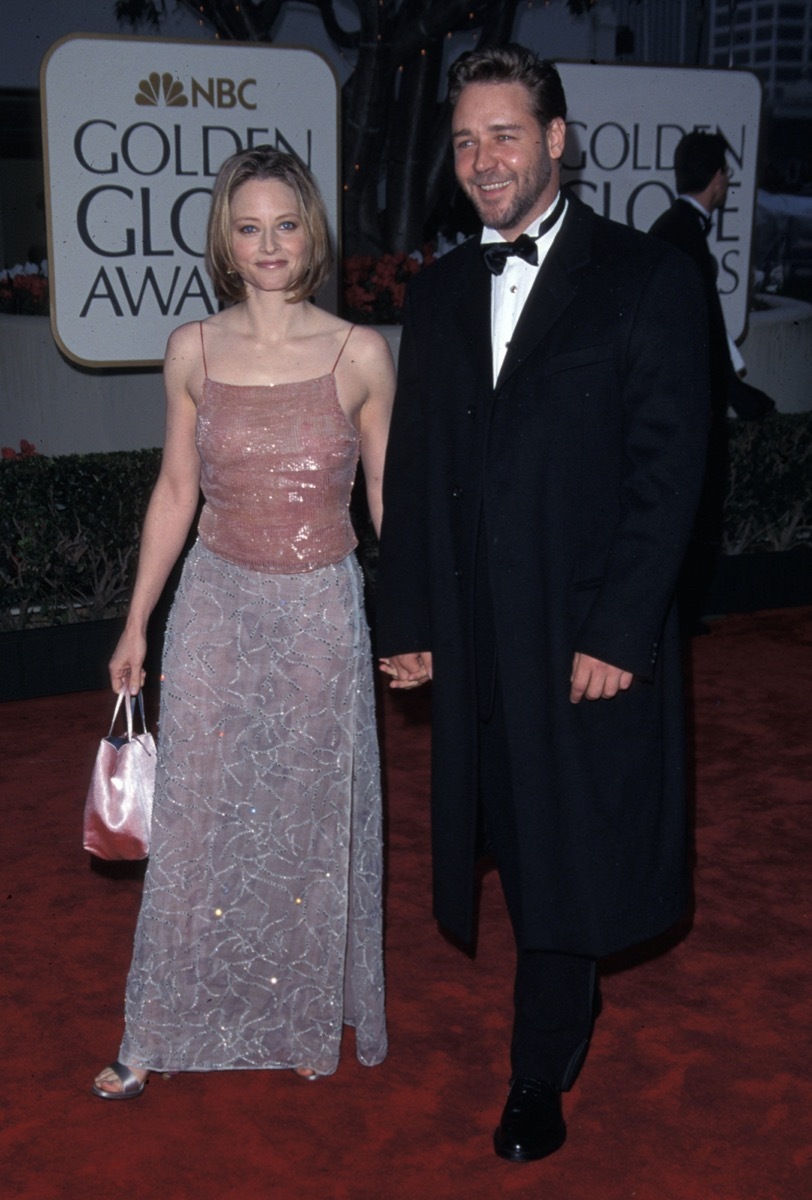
point(259, 934)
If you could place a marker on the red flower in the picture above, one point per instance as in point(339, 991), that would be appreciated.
point(377, 286)
point(36, 285)
point(27, 450)
point(26, 293)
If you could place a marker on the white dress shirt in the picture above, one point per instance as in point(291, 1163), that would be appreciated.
point(509, 291)
point(700, 208)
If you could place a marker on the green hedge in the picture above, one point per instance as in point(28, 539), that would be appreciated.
point(69, 526)
point(768, 505)
point(69, 531)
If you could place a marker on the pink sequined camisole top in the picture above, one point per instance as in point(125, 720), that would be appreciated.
point(278, 465)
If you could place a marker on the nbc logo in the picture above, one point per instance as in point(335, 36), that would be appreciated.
point(157, 89)
point(166, 91)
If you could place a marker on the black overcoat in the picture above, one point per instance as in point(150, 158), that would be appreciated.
point(586, 459)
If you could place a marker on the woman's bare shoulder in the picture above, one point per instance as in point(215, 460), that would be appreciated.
point(367, 343)
point(184, 368)
point(184, 343)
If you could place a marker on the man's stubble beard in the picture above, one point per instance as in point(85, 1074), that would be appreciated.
point(523, 202)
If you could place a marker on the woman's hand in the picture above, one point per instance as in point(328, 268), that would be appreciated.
point(408, 670)
point(127, 664)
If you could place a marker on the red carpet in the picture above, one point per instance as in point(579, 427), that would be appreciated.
point(697, 1086)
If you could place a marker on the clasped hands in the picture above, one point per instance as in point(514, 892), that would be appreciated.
point(590, 678)
point(408, 670)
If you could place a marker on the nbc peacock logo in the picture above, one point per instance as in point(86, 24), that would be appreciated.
point(161, 90)
point(165, 90)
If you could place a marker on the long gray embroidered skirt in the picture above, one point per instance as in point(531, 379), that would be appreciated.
point(259, 934)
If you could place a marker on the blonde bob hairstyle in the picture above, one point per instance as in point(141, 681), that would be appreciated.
point(263, 162)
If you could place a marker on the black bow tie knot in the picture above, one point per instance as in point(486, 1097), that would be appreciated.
point(496, 254)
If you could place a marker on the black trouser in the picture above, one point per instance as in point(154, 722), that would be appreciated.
point(554, 993)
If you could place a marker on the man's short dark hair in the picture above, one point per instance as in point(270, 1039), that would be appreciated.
point(512, 64)
point(697, 158)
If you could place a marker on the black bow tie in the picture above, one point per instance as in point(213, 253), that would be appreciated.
point(496, 254)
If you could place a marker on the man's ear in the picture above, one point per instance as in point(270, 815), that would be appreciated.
point(556, 132)
point(720, 180)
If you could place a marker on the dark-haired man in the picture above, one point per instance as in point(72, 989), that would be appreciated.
point(702, 178)
point(543, 467)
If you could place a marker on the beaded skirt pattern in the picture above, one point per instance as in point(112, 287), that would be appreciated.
point(260, 933)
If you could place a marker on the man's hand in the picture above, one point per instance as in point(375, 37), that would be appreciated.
point(408, 670)
point(596, 680)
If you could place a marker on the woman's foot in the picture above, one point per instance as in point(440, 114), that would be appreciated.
point(306, 1073)
point(120, 1082)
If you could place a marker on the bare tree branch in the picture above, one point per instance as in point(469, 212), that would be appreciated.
point(345, 39)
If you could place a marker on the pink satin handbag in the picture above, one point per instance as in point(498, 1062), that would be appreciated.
point(118, 808)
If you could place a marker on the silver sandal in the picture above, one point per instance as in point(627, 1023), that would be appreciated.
point(131, 1085)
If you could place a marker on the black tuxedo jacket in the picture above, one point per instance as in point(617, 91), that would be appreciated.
point(683, 226)
point(582, 467)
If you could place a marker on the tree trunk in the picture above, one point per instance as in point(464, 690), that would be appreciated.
point(367, 97)
point(408, 151)
point(435, 184)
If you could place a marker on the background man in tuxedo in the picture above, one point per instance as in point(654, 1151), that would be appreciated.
point(702, 177)
point(544, 464)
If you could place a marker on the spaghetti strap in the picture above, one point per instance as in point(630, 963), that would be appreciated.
point(341, 351)
point(203, 348)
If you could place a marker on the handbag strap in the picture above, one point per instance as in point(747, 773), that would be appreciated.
point(129, 710)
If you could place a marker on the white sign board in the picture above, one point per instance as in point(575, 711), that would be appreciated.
point(623, 126)
point(134, 131)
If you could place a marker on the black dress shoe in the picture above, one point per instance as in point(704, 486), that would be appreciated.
point(532, 1125)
